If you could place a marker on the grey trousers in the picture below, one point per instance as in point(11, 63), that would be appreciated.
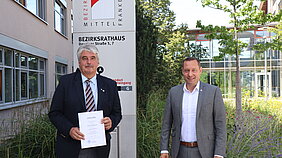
point(186, 152)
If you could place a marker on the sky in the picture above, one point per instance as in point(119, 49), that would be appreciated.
point(189, 11)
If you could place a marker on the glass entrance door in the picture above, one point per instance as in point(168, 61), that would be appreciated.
point(263, 84)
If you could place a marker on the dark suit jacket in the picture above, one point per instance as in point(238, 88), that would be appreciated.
point(68, 101)
point(210, 121)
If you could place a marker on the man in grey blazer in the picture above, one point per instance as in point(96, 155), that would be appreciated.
point(194, 117)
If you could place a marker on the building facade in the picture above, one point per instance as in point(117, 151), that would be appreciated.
point(271, 6)
point(35, 50)
point(261, 72)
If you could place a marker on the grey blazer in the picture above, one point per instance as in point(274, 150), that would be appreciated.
point(210, 121)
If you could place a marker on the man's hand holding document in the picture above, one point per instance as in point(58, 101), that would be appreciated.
point(92, 128)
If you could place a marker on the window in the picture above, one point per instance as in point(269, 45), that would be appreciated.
point(31, 6)
point(37, 7)
point(60, 17)
point(8, 84)
point(42, 85)
point(201, 37)
point(23, 61)
point(22, 76)
point(1, 89)
point(261, 34)
point(33, 84)
point(215, 48)
point(204, 48)
point(61, 70)
point(33, 63)
point(24, 85)
point(1, 54)
point(246, 53)
point(8, 57)
point(17, 85)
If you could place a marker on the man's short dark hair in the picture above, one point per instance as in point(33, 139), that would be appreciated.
point(191, 59)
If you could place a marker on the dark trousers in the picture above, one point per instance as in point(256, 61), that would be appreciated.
point(87, 153)
point(96, 152)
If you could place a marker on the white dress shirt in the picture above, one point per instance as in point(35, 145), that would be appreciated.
point(93, 85)
point(189, 110)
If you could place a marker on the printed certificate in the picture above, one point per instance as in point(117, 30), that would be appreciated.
point(92, 128)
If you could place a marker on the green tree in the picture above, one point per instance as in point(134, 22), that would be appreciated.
point(243, 15)
point(155, 23)
point(176, 49)
point(276, 40)
point(146, 52)
point(164, 20)
point(160, 48)
point(161, 15)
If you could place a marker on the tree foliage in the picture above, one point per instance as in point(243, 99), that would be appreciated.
point(162, 17)
point(146, 50)
point(161, 47)
point(276, 40)
point(155, 24)
point(244, 15)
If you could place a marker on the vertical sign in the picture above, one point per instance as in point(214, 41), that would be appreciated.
point(103, 15)
point(110, 25)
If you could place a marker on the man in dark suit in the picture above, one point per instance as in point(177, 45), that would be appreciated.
point(72, 97)
point(194, 117)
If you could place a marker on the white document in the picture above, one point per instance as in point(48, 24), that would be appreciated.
point(92, 128)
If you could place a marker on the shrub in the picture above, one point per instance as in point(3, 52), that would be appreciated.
point(271, 107)
point(36, 139)
point(259, 134)
point(149, 126)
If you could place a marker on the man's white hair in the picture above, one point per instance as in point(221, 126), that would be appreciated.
point(88, 48)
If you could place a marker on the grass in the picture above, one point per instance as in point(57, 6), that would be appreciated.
point(36, 139)
point(149, 126)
